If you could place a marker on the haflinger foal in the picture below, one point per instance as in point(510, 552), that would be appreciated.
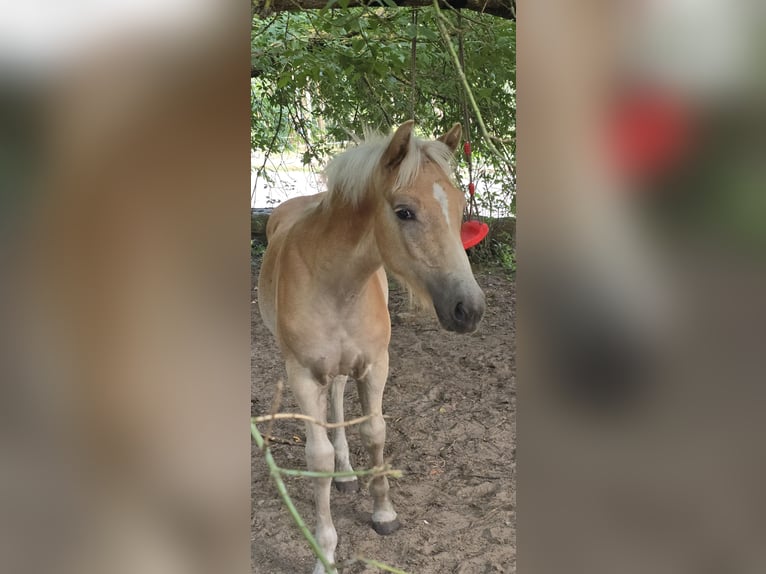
point(390, 204)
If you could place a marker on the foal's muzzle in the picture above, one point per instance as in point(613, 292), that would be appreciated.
point(459, 308)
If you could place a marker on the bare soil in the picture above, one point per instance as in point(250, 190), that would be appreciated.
point(451, 404)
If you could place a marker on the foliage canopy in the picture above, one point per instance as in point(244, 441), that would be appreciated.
point(320, 75)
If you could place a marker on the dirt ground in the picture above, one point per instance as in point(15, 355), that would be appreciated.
point(451, 405)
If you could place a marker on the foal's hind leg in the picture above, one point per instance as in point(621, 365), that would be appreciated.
point(342, 464)
point(373, 433)
point(312, 399)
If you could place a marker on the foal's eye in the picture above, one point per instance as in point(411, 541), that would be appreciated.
point(404, 213)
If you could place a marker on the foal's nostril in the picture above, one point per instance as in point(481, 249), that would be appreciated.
point(460, 314)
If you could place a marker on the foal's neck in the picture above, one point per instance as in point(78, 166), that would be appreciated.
point(344, 248)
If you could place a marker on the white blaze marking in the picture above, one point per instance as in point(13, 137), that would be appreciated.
point(443, 200)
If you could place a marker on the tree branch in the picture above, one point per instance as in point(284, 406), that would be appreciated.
point(500, 8)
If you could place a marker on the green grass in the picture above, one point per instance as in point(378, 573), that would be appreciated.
point(257, 247)
point(495, 251)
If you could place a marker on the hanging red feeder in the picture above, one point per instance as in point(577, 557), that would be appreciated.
point(472, 231)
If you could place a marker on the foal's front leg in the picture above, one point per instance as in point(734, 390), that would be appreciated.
point(373, 433)
point(312, 399)
point(342, 463)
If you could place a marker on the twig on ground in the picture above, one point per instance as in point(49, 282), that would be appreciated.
point(298, 416)
point(278, 440)
point(384, 470)
point(277, 472)
point(375, 563)
point(274, 471)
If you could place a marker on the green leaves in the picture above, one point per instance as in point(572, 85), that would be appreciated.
point(283, 80)
point(327, 72)
point(358, 44)
point(422, 31)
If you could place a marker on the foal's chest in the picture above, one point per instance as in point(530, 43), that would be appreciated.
point(338, 357)
point(332, 332)
point(338, 350)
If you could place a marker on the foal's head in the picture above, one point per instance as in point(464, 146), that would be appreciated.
point(417, 226)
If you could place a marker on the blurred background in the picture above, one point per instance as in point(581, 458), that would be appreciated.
point(641, 227)
point(125, 287)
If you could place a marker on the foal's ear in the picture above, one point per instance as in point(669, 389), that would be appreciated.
point(399, 145)
point(452, 137)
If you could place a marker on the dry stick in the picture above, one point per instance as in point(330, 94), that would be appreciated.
point(278, 440)
point(464, 80)
point(384, 470)
point(274, 471)
point(375, 563)
point(302, 417)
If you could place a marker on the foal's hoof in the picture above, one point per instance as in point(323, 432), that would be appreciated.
point(384, 528)
point(346, 486)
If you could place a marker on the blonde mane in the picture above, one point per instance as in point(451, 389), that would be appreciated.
point(353, 174)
